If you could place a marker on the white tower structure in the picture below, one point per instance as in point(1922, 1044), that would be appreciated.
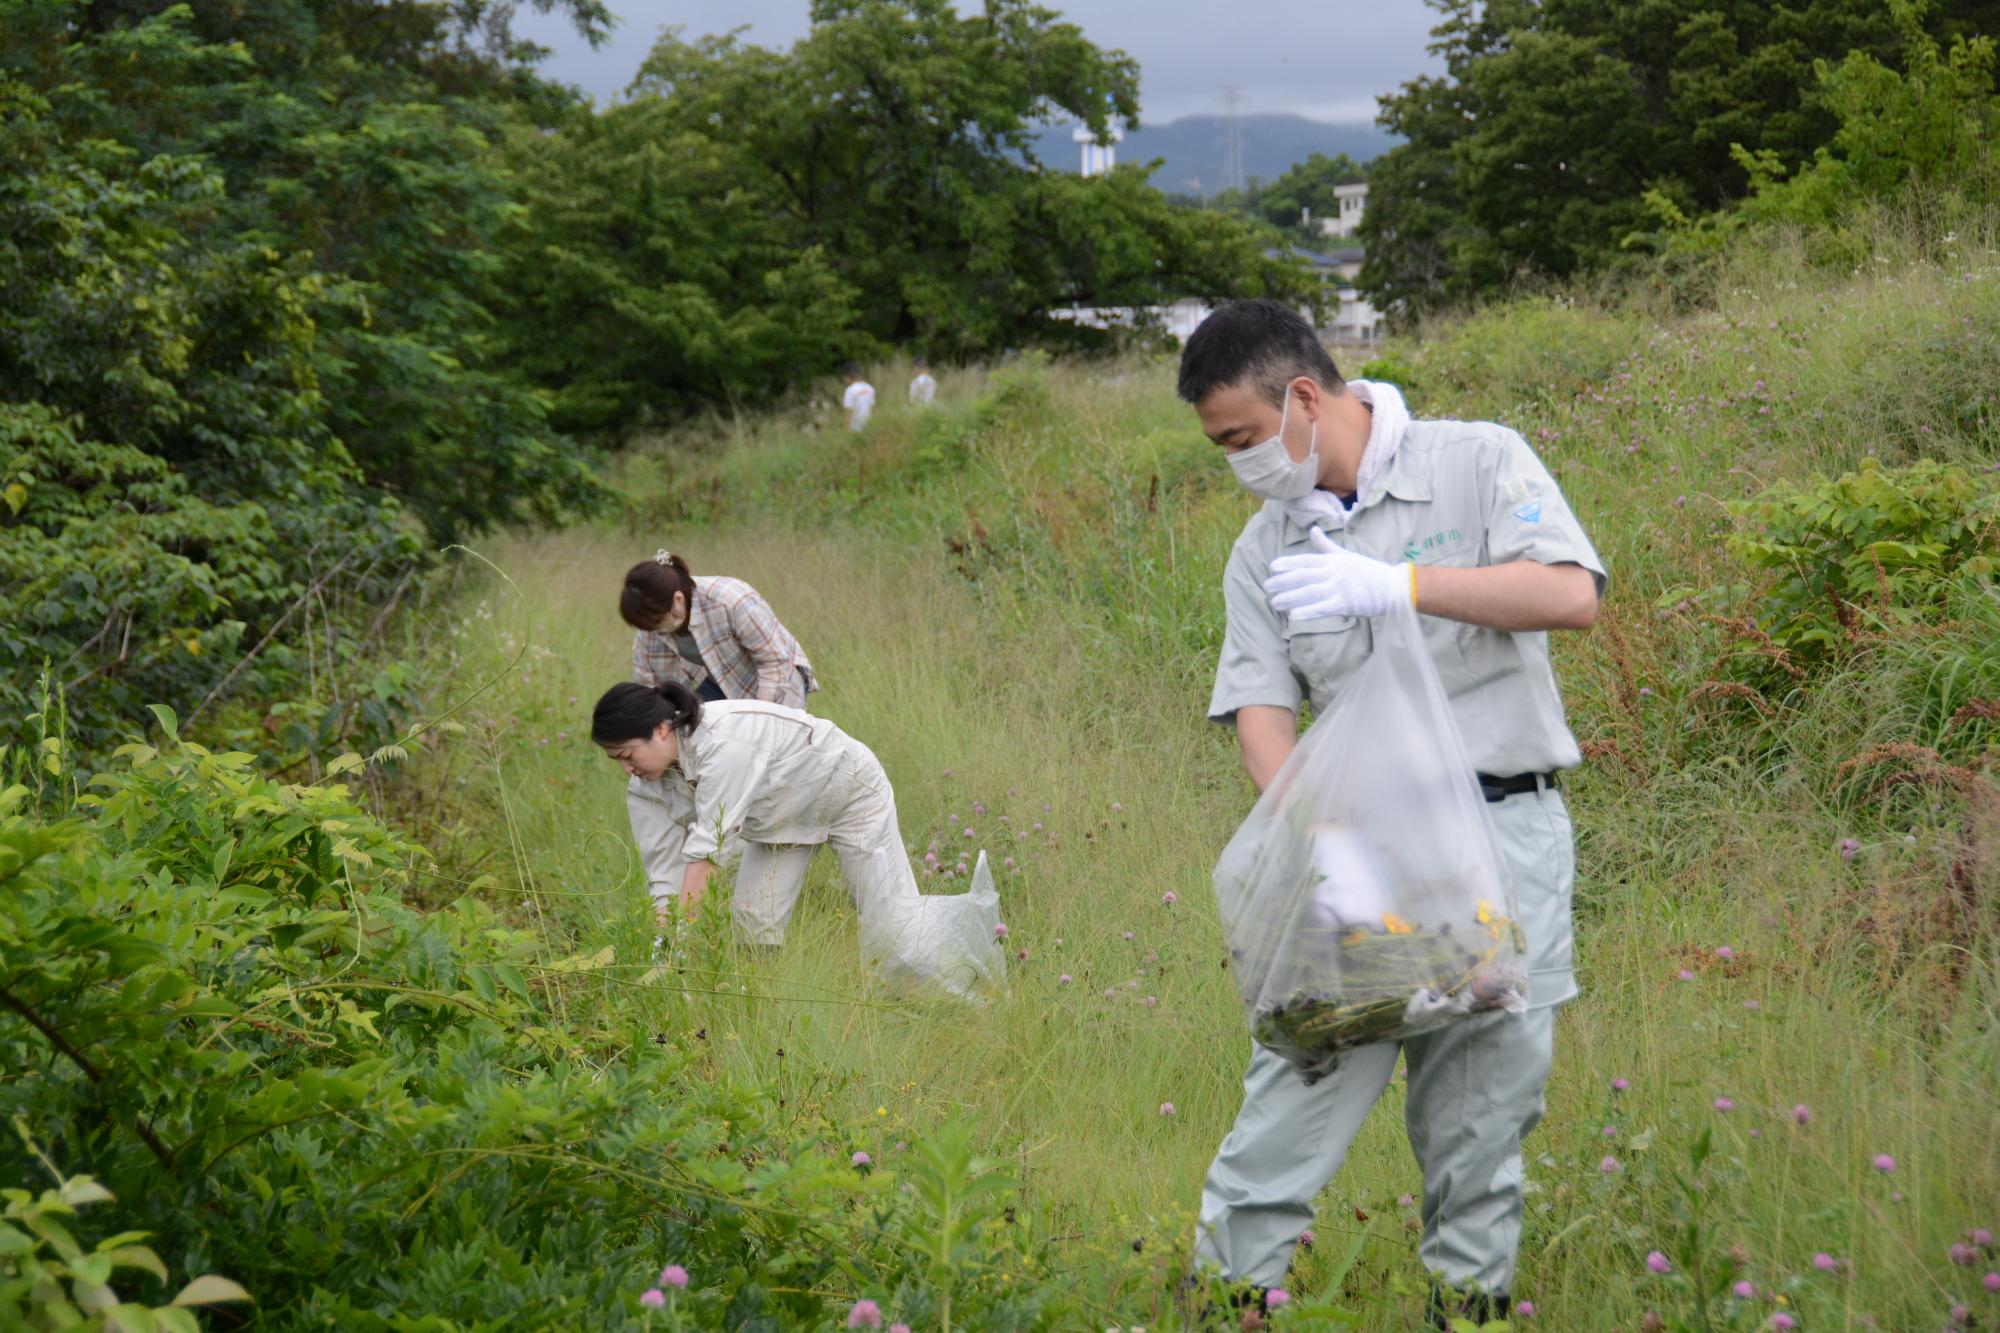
point(1231, 140)
point(1100, 153)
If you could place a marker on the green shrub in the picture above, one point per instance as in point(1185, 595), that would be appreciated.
point(1393, 369)
point(1931, 122)
point(1921, 133)
point(1869, 551)
point(49, 1281)
point(245, 351)
point(168, 484)
point(214, 1000)
point(1945, 687)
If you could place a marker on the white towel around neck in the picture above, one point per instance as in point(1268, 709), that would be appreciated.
point(1390, 422)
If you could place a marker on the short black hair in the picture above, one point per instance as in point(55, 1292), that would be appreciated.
point(1265, 344)
point(852, 370)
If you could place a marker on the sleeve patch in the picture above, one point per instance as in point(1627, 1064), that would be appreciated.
point(1519, 491)
point(1530, 512)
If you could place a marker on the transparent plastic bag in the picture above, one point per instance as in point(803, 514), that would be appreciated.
point(1365, 898)
point(937, 941)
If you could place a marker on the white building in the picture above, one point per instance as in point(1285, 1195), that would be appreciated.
point(1350, 201)
point(1356, 323)
point(1100, 153)
point(1177, 321)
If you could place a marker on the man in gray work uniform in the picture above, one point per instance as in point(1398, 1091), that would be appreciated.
point(1365, 508)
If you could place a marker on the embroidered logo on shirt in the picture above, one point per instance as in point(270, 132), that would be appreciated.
point(1530, 513)
point(1520, 489)
point(1437, 541)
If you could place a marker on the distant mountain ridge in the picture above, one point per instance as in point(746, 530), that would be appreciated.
point(1192, 147)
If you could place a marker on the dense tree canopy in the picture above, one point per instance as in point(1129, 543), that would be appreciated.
point(246, 338)
point(1537, 149)
point(291, 290)
point(1303, 197)
point(1294, 202)
point(750, 217)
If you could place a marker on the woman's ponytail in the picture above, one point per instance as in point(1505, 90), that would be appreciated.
point(682, 702)
point(632, 712)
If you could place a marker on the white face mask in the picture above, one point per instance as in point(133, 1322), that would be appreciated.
point(1268, 471)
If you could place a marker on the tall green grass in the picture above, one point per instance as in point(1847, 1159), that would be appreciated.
point(1015, 600)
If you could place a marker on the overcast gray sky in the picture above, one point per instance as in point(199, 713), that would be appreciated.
point(1328, 59)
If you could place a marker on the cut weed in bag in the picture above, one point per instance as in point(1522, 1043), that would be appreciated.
point(1365, 898)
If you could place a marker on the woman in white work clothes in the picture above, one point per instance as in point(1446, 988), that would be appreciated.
point(777, 778)
point(719, 639)
point(1365, 508)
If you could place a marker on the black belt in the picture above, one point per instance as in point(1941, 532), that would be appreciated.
point(1499, 789)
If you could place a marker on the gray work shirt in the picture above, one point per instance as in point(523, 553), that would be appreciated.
point(1461, 493)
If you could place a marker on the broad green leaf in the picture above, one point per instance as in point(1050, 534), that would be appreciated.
point(55, 1234)
point(209, 1289)
point(169, 721)
point(131, 1319)
point(510, 976)
point(122, 1238)
point(94, 1268)
point(139, 1256)
point(481, 982)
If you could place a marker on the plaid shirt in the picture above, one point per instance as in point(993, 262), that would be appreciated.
point(747, 652)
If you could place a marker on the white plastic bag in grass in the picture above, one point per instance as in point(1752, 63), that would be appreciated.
point(945, 942)
point(1365, 898)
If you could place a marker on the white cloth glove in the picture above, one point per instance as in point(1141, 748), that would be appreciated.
point(1333, 581)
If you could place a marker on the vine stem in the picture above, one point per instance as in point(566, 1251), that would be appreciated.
point(83, 1062)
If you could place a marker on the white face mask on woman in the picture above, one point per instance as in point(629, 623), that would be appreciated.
point(1268, 470)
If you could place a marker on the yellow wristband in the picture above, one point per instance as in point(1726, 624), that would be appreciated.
point(1413, 584)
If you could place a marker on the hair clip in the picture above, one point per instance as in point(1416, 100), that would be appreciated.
point(663, 556)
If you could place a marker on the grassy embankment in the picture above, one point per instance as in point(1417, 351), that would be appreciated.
point(1015, 601)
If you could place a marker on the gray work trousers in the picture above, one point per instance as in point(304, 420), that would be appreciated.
point(1475, 1091)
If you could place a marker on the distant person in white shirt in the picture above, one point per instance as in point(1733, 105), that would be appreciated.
point(923, 389)
point(859, 399)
